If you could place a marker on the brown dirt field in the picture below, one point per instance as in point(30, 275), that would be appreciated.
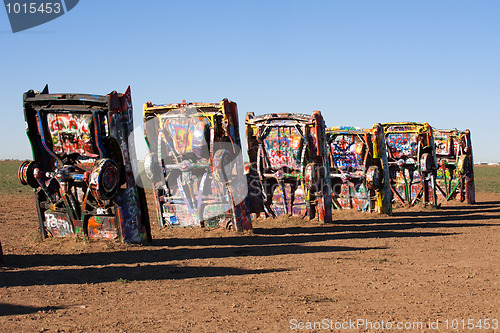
point(418, 265)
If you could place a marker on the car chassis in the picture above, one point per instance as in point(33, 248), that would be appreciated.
point(289, 170)
point(359, 169)
point(83, 168)
point(412, 162)
point(455, 174)
point(195, 164)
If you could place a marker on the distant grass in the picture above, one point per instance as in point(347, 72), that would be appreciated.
point(9, 183)
point(487, 178)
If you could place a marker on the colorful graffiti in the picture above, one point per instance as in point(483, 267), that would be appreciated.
point(187, 134)
point(407, 184)
point(288, 172)
point(195, 165)
point(103, 226)
point(412, 162)
point(347, 152)
point(402, 144)
point(58, 224)
point(71, 134)
point(359, 169)
point(283, 147)
point(294, 200)
point(455, 175)
point(83, 169)
point(354, 196)
point(446, 146)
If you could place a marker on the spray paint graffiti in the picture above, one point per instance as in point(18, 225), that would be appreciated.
point(288, 173)
point(57, 224)
point(70, 134)
point(359, 169)
point(455, 174)
point(103, 227)
point(82, 173)
point(412, 162)
point(402, 144)
point(346, 151)
point(195, 164)
point(283, 146)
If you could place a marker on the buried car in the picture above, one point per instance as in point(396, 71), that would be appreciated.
point(289, 171)
point(195, 164)
point(359, 169)
point(455, 174)
point(83, 166)
point(412, 162)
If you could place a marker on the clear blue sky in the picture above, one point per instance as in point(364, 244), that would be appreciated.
point(359, 62)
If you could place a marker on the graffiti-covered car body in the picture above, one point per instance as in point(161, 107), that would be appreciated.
point(359, 169)
point(455, 174)
point(412, 162)
point(83, 166)
point(289, 170)
point(195, 164)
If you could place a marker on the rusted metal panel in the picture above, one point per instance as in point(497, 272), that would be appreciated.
point(83, 166)
point(359, 169)
point(455, 174)
point(412, 162)
point(195, 165)
point(288, 173)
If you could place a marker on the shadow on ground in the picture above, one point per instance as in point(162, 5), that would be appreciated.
point(151, 262)
point(13, 309)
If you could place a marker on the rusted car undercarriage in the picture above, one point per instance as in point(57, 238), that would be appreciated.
point(195, 164)
point(83, 166)
point(455, 174)
point(289, 169)
point(412, 162)
point(359, 169)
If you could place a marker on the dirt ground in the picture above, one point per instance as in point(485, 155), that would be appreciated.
point(420, 266)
